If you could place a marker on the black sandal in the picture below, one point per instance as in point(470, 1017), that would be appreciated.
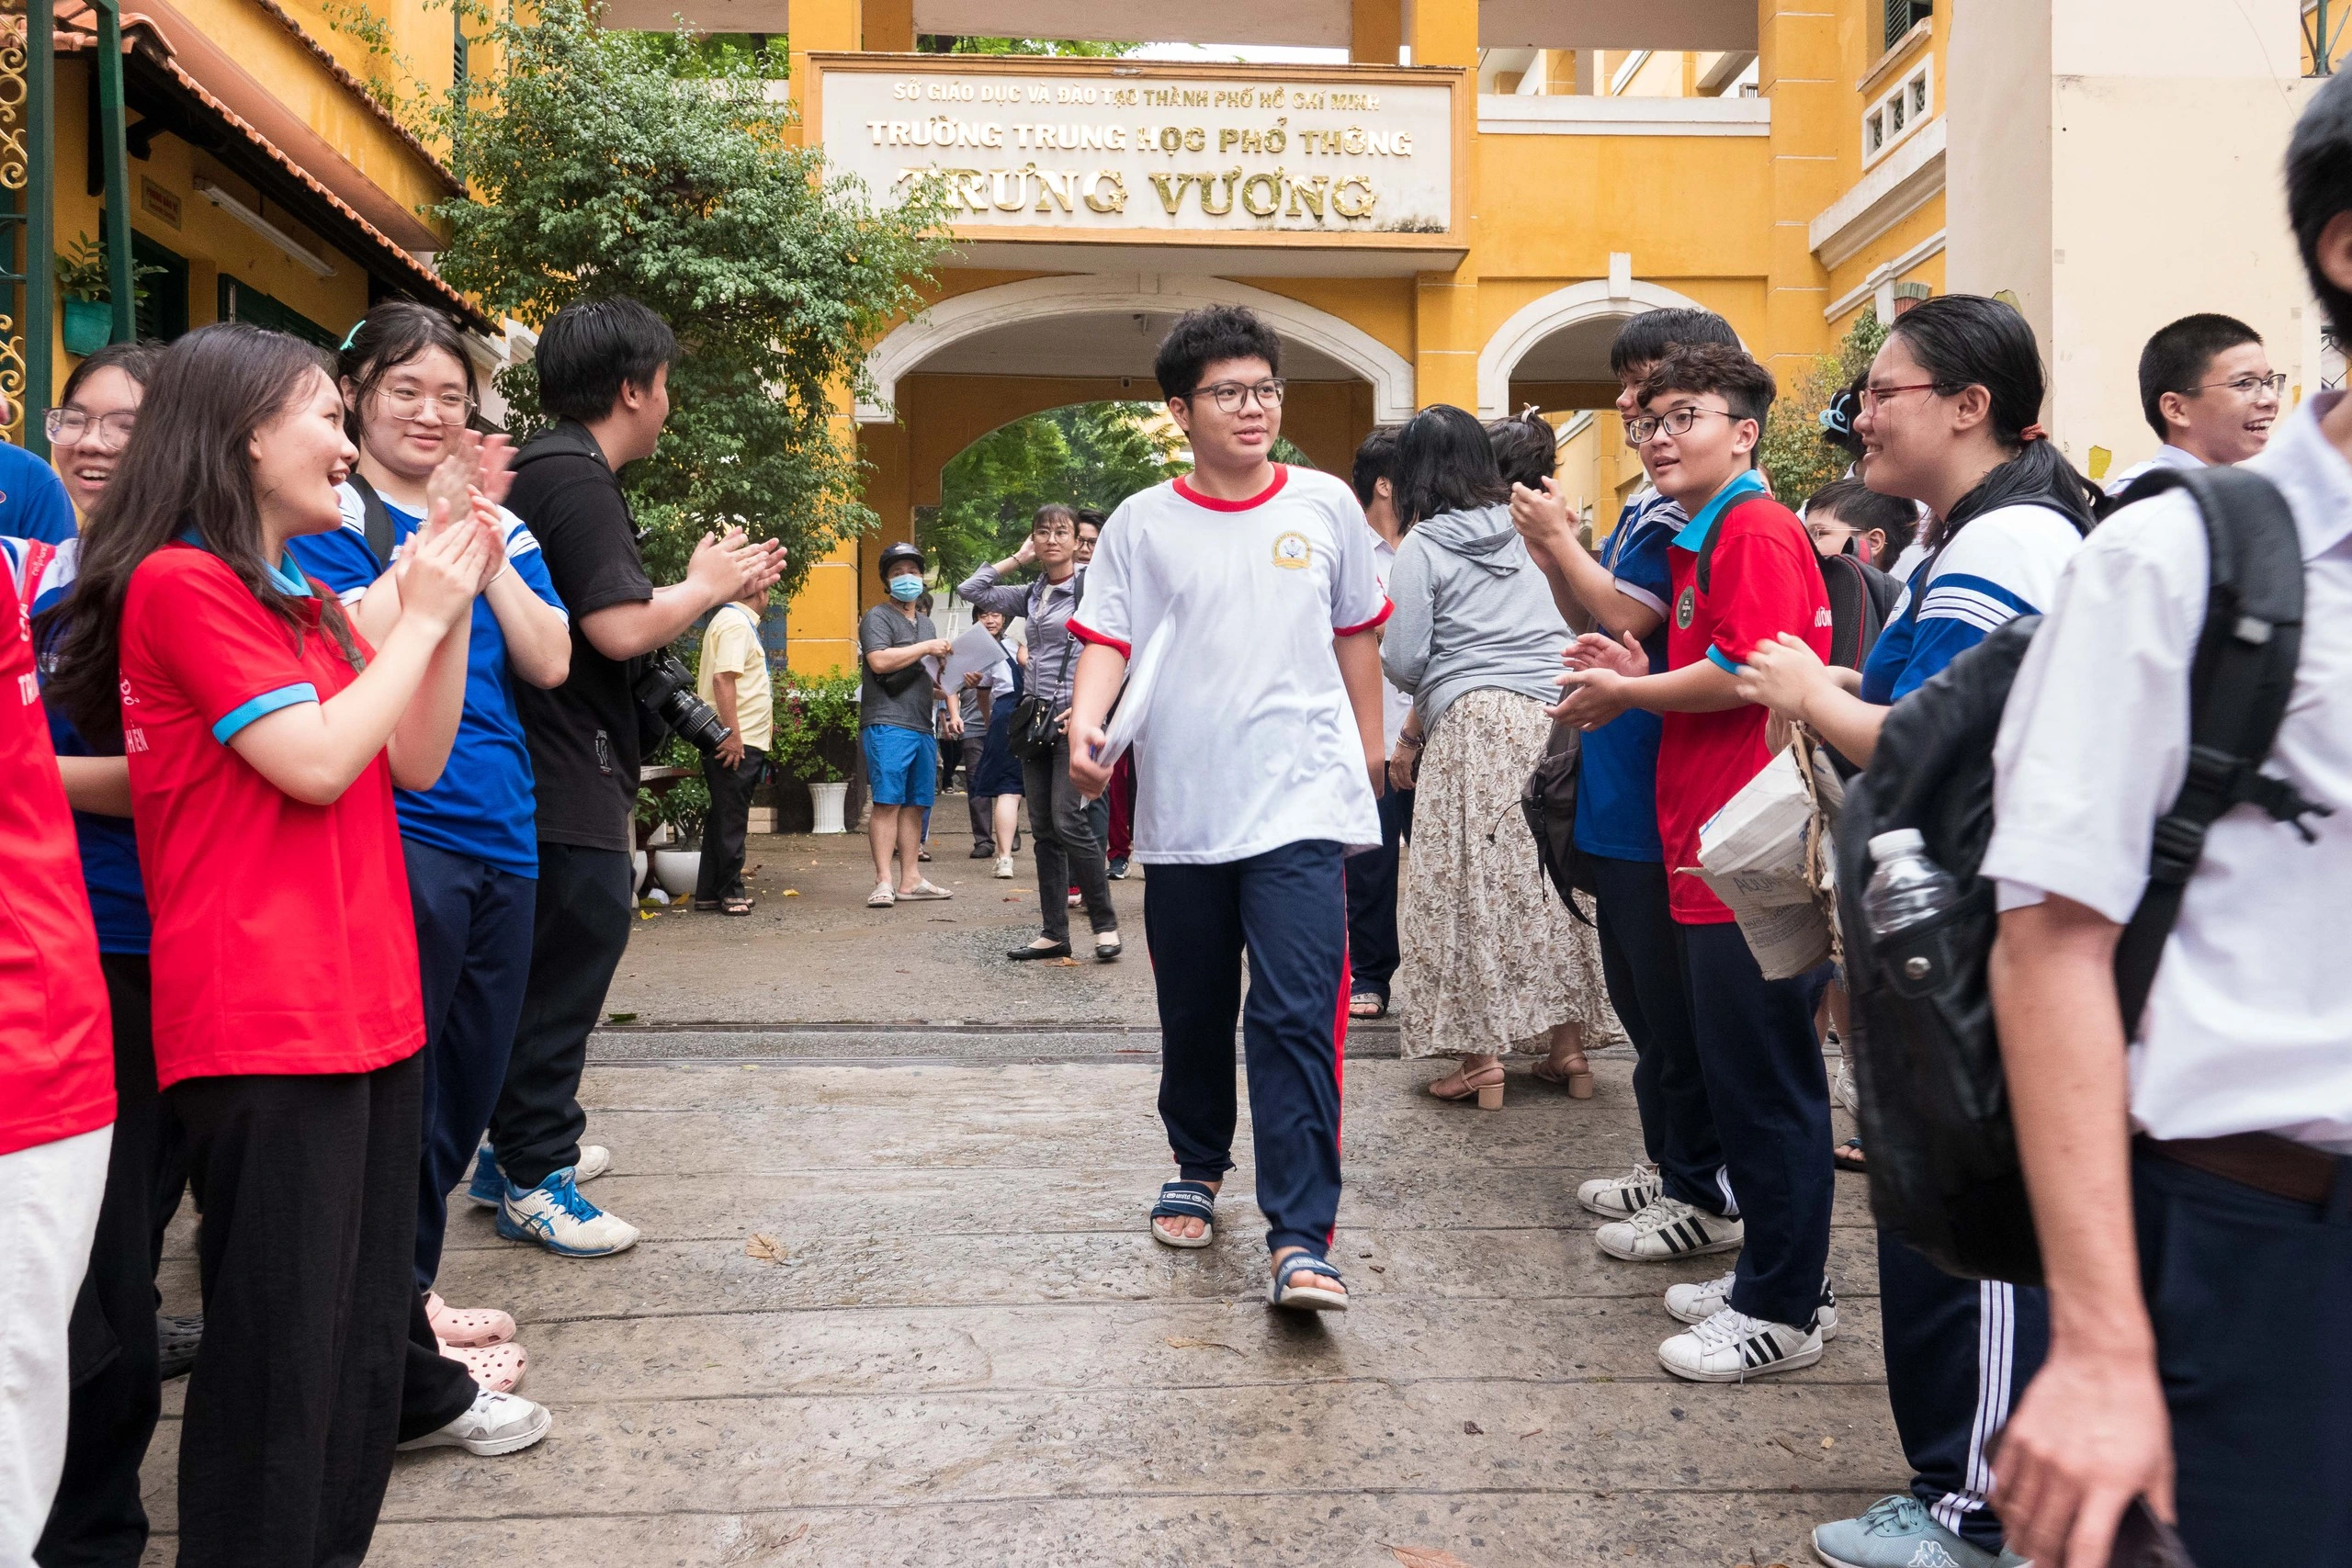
point(1849, 1157)
point(1054, 949)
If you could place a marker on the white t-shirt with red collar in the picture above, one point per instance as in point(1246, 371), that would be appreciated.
point(1250, 741)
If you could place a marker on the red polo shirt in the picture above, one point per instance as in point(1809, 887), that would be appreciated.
point(1763, 580)
point(56, 1036)
point(284, 940)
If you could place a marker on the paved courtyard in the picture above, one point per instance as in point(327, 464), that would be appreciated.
point(895, 1303)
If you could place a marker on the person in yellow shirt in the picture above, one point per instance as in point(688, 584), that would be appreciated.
point(734, 680)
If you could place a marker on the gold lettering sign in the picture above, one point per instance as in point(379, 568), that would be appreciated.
point(1175, 154)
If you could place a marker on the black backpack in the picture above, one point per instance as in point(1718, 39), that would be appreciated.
point(1860, 597)
point(1943, 1168)
point(1548, 801)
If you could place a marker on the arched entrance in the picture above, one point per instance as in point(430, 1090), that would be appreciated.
point(1554, 351)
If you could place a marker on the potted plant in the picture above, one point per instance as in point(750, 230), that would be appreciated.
point(816, 739)
point(673, 809)
point(89, 294)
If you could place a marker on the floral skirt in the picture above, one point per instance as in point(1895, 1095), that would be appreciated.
point(1492, 961)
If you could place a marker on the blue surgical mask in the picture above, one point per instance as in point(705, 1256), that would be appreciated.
point(906, 588)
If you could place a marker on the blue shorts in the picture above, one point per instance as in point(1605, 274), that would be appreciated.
point(901, 765)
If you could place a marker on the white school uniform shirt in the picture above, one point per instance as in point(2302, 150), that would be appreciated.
point(1396, 706)
point(2167, 456)
point(2249, 1026)
point(1249, 742)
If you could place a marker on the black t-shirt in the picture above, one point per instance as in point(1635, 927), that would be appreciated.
point(582, 736)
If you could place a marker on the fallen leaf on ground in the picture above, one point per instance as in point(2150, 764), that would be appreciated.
point(621, 1017)
point(1537, 1433)
point(792, 893)
point(1828, 1442)
point(1424, 1557)
point(1178, 1343)
point(763, 1247)
point(1065, 962)
point(1796, 1451)
point(1474, 1429)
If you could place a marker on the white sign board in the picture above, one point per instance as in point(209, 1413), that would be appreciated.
point(1192, 154)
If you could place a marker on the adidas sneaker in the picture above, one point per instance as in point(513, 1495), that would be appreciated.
point(1622, 1197)
point(1696, 1304)
point(1732, 1346)
point(1669, 1228)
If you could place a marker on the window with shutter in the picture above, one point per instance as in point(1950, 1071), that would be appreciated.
point(1902, 15)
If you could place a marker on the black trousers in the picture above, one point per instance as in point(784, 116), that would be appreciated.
point(1373, 951)
point(731, 818)
point(579, 929)
point(307, 1184)
point(96, 1517)
point(1770, 1098)
point(2252, 1299)
point(1959, 1354)
point(1287, 910)
point(981, 806)
point(1070, 852)
point(1641, 961)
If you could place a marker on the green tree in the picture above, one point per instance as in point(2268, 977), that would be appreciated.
point(1792, 454)
point(1085, 454)
point(601, 161)
point(1073, 49)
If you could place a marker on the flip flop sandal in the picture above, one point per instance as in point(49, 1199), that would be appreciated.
point(1184, 1201)
point(467, 1327)
point(881, 898)
point(1849, 1157)
point(1367, 1004)
point(925, 889)
point(706, 905)
point(497, 1368)
point(739, 905)
point(1285, 1290)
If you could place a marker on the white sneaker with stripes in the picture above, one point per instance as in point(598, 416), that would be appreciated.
point(1696, 1304)
point(1732, 1346)
point(1622, 1197)
point(1667, 1229)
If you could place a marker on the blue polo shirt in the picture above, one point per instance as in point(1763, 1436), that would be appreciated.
point(32, 499)
point(108, 845)
point(485, 805)
point(1617, 787)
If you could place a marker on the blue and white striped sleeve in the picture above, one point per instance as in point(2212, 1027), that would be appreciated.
point(2002, 565)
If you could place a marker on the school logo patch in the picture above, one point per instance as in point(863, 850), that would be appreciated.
point(1686, 606)
point(1292, 551)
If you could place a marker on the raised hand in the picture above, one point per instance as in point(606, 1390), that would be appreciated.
point(444, 570)
point(452, 478)
point(494, 477)
point(1594, 651)
point(492, 527)
point(1593, 697)
point(1783, 675)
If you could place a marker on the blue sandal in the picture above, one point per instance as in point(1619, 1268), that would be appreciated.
point(1185, 1200)
point(1285, 1292)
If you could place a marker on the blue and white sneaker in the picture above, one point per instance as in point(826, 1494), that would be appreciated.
point(1896, 1532)
point(489, 1187)
point(556, 1216)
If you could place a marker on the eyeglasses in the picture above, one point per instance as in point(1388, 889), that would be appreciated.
point(1873, 396)
point(408, 402)
point(1640, 430)
point(1231, 395)
point(2251, 387)
point(66, 426)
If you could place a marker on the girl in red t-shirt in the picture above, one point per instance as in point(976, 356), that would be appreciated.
point(263, 740)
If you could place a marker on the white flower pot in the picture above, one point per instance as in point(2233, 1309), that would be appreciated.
point(638, 865)
point(675, 870)
point(828, 799)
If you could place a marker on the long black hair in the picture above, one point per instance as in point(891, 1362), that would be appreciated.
point(1968, 340)
point(397, 332)
point(1444, 463)
point(186, 466)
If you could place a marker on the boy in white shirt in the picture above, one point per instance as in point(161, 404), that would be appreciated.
point(1260, 762)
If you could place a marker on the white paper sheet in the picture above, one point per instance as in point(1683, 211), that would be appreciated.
point(975, 651)
point(1135, 699)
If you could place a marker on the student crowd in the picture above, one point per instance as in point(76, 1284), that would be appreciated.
point(344, 701)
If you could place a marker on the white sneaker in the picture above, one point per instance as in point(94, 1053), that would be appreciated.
point(595, 1160)
point(493, 1424)
point(555, 1216)
point(1845, 1092)
point(1669, 1228)
point(1732, 1346)
point(1696, 1304)
point(1622, 1197)
point(1004, 867)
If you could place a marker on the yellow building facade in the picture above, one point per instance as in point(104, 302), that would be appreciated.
point(1571, 164)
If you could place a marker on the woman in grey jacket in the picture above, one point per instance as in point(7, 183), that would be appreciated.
point(1493, 961)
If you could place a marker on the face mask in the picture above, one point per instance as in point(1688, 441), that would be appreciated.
point(906, 589)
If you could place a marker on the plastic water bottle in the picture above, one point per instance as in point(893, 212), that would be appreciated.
point(1907, 888)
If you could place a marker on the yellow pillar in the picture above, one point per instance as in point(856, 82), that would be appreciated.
point(1446, 336)
point(825, 25)
point(889, 27)
point(1444, 32)
point(1799, 70)
point(1376, 30)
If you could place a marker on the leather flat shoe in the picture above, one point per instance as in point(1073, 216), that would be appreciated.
point(1022, 954)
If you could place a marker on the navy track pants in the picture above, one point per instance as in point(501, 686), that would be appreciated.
point(1288, 909)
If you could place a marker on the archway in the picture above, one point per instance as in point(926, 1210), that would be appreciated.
point(1554, 349)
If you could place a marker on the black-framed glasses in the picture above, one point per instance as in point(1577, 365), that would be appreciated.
point(1231, 395)
point(1642, 429)
point(2251, 387)
point(67, 427)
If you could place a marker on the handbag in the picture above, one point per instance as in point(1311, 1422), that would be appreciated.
point(1035, 730)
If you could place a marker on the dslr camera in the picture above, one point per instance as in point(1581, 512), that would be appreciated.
point(665, 689)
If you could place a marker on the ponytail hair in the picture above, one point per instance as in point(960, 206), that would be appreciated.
point(187, 466)
point(1967, 340)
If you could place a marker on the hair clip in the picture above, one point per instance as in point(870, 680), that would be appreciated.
point(1834, 418)
point(2033, 433)
point(352, 336)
